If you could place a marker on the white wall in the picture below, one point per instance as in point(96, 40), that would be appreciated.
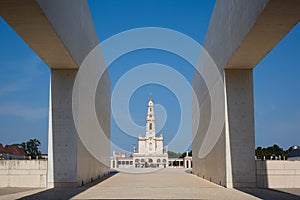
point(72, 163)
point(62, 153)
point(73, 23)
point(239, 35)
point(23, 173)
point(229, 25)
point(278, 174)
point(240, 126)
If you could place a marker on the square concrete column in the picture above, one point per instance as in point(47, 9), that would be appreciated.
point(62, 147)
point(69, 162)
point(240, 126)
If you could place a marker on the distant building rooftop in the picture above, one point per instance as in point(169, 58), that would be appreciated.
point(295, 152)
point(12, 150)
point(119, 154)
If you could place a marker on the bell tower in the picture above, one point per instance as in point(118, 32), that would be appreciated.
point(150, 120)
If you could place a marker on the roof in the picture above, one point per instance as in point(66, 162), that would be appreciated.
point(13, 150)
point(294, 153)
point(1, 148)
point(120, 153)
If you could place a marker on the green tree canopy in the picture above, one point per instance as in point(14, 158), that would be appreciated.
point(172, 154)
point(184, 154)
point(274, 150)
point(31, 147)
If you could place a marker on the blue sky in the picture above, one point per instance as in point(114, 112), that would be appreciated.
point(24, 78)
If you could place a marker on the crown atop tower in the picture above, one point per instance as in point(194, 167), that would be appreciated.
point(150, 102)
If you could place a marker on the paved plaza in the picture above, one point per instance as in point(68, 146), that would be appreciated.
point(159, 184)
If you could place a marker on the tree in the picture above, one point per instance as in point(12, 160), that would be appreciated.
point(172, 154)
point(184, 154)
point(274, 150)
point(31, 147)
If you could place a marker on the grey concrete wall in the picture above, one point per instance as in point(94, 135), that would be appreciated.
point(231, 161)
point(88, 168)
point(30, 23)
point(240, 109)
point(72, 163)
point(239, 35)
point(229, 25)
point(73, 24)
point(276, 20)
point(63, 152)
point(278, 174)
point(61, 32)
point(213, 166)
point(23, 173)
point(95, 168)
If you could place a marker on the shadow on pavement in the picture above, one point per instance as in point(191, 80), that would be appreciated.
point(65, 193)
point(13, 190)
point(272, 194)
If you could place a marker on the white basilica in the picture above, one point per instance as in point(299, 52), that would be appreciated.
point(150, 151)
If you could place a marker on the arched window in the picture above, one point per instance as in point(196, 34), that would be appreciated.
point(150, 126)
point(137, 160)
point(143, 160)
point(150, 160)
point(158, 160)
point(164, 160)
point(150, 146)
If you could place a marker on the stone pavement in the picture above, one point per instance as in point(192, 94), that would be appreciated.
point(161, 184)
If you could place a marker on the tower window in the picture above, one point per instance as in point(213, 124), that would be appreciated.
point(150, 109)
point(150, 126)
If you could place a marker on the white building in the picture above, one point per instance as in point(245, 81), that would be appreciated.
point(294, 153)
point(150, 151)
point(120, 160)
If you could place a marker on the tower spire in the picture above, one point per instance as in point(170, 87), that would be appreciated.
point(150, 119)
point(150, 98)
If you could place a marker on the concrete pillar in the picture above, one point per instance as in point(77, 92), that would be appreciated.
point(240, 126)
point(62, 146)
point(70, 163)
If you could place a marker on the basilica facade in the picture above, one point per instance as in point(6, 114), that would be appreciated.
point(150, 152)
